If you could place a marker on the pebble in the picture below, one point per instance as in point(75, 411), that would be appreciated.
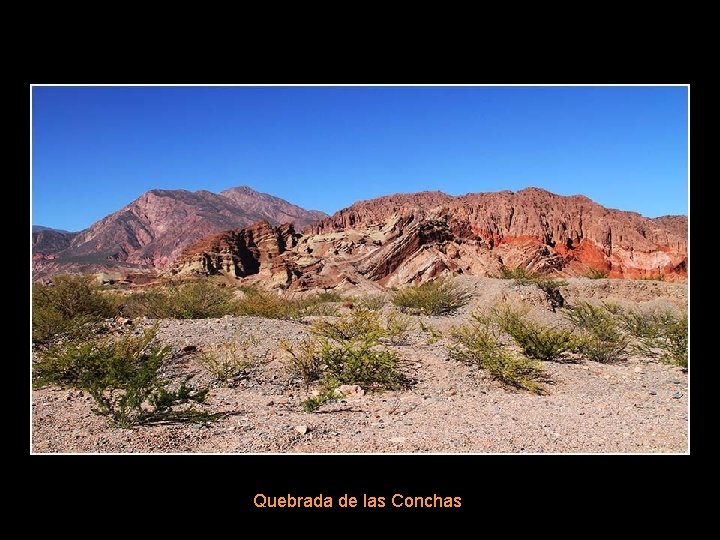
point(653, 393)
point(677, 395)
point(399, 440)
point(302, 430)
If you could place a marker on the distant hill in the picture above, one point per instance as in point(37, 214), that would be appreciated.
point(152, 230)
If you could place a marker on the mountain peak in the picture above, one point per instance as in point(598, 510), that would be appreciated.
point(153, 229)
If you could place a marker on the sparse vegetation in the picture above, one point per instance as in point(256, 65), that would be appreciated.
point(596, 273)
point(535, 340)
point(66, 305)
point(675, 337)
point(602, 339)
point(551, 288)
point(520, 274)
point(437, 297)
point(347, 351)
point(230, 359)
point(123, 377)
point(475, 344)
point(261, 303)
point(657, 334)
point(372, 303)
point(433, 335)
point(201, 299)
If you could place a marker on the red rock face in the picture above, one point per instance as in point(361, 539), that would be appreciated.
point(154, 229)
point(581, 233)
point(412, 238)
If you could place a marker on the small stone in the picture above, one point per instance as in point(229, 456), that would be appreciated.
point(676, 382)
point(399, 440)
point(653, 393)
point(302, 430)
point(418, 365)
point(677, 395)
point(347, 390)
point(270, 403)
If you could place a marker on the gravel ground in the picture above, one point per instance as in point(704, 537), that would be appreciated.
point(636, 405)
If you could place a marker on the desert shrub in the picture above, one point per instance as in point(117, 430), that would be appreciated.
point(327, 296)
point(261, 303)
point(596, 273)
point(123, 377)
point(433, 334)
point(373, 303)
point(475, 344)
point(322, 304)
point(437, 297)
point(398, 327)
point(360, 324)
point(675, 341)
point(602, 339)
point(326, 394)
point(535, 340)
point(305, 360)
point(68, 303)
point(225, 361)
point(347, 351)
point(202, 299)
point(645, 326)
point(520, 274)
point(366, 325)
point(658, 334)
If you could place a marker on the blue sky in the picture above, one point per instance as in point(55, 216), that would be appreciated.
point(95, 149)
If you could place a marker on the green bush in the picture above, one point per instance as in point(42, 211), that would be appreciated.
point(372, 303)
point(535, 340)
point(675, 341)
point(123, 377)
point(347, 351)
point(602, 339)
point(65, 305)
point(475, 344)
point(596, 273)
point(433, 334)
point(521, 275)
point(261, 303)
point(662, 334)
point(359, 324)
point(202, 299)
point(305, 360)
point(438, 297)
point(363, 324)
point(225, 361)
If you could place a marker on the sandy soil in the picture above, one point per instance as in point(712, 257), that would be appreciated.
point(635, 405)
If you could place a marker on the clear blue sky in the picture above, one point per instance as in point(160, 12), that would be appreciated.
point(95, 149)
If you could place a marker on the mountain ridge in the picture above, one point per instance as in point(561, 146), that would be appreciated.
point(152, 230)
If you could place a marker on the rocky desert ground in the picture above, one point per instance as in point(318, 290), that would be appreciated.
point(629, 406)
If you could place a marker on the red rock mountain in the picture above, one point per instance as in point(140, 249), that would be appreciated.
point(151, 231)
point(408, 238)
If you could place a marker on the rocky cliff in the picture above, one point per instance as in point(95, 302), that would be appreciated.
point(411, 238)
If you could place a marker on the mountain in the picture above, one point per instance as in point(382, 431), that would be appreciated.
point(408, 238)
point(47, 241)
point(152, 230)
